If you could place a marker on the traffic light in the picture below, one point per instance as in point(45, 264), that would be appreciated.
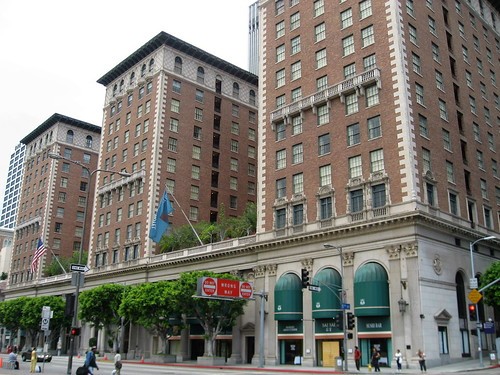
point(305, 278)
point(75, 331)
point(472, 312)
point(351, 320)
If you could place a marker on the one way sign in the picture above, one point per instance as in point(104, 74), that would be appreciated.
point(79, 268)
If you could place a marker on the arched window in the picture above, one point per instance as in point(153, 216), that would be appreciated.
point(200, 75)
point(69, 136)
point(151, 64)
point(252, 97)
point(218, 84)
point(132, 78)
point(178, 65)
point(143, 70)
point(121, 85)
point(115, 89)
point(236, 90)
point(88, 141)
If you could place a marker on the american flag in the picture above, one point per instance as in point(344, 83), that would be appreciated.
point(40, 250)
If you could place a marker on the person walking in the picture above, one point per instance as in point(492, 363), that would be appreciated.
point(34, 359)
point(90, 360)
point(421, 360)
point(118, 363)
point(399, 359)
point(357, 357)
point(375, 360)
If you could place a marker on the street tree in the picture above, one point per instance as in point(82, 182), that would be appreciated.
point(99, 307)
point(32, 316)
point(214, 315)
point(10, 313)
point(152, 306)
point(492, 293)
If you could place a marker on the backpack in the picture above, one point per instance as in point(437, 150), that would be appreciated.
point(83, 370)
point(118, 365)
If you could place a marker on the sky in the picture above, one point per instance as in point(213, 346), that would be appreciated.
point(52, 52)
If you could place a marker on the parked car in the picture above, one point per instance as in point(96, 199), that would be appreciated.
point(40, 356)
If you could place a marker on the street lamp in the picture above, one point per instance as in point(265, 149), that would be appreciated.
point(473, 277)
point(342, 300)
point(80, 252)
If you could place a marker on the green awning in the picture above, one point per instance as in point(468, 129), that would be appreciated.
point(326, 303)
point(371, 291)
point(288, 298)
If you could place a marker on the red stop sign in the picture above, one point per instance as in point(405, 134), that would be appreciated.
point(246, 290)
point(208, 286)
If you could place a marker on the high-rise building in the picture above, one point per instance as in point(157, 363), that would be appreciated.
point(253, 38)
point(12, 188)
point(54, 193)
point(180, 120)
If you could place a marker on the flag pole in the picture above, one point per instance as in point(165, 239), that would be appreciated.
point(189, 222)
point(57, 260)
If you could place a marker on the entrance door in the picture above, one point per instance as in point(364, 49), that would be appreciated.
point(290, 352)
point(250, 342)
point(331, 349)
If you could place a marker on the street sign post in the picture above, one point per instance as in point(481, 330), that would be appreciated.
point(346, 306)
point(475, 296)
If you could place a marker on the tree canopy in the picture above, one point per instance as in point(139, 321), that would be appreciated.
point(54, 268)
point(492, 293)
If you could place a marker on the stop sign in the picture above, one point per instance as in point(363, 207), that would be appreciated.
point(246, 290)
point(208, 286)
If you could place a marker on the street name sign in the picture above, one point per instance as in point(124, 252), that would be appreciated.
point(314, 288)
point(79, 268)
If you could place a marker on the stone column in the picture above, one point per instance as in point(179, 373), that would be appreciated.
point(236, 343)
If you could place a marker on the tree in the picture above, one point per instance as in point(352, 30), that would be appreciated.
point(32, 315)
point(214, 315)
point(10, 313)
point(151, 305)
point(100, 307)
point(492, 293)
point(54, 268)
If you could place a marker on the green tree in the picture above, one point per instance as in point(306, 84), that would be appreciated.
point(214, 315)
point(10, 313)
point(4, 276)
point(100, 307)
point(492, 293)
point(32, 315)
point(151, 305)
point(54, 268)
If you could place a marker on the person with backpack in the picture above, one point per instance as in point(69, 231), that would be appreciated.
point(90, 360)
point(118, 364)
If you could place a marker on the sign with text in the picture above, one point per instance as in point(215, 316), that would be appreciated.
point(224, 288)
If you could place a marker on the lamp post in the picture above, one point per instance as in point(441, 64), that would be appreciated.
point(80, 252)
point(342, 299)
point(473, 277)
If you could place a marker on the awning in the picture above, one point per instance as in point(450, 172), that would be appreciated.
point(288, 298)
point(371, 291)
point(326, 303)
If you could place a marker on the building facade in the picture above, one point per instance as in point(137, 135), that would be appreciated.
point(12, 188)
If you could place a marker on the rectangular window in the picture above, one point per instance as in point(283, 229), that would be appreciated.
point(172, 144)
point(348, 45)
point(294, 21)
point(350, 70)
point(296, 70)
point(412, 31)
point(281, 188)
point(378, 196)
point(377, 161)
point(435, 52)
point(325, 175)
point(298, 214)
point(417, 66)
point(321, 58)
point(297, 153)
point(351, 104)
point(355, 167)
point(446, 140)
point(280, 131)
point(370, 62)
point(323, 144)
point(319, 32)
point(365, 9)
point(196, 153)
point(374, 127)
point(419, 93)
point(280, 53)
point(443, 111)
point(356, 200)
point(353, 135)
point(450, 174)
point(443, 340)
point(325, 206)
point(426, 160)
point(322, 114)
point(280, 29)
point(432, 26)
point(281, 159)
point(453, 199)
point(298, 183)
point(280, 78)
point(280, 218)
point(346, 18)
point(296, 125)
point(321, 83)
point(295, 43)
point(319, 7)
point(296, 94)
point(371, 93)
point(367, 36)
point(175, 105)
point(439, 80)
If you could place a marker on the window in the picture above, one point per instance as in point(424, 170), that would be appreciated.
point(174, 125)
point(296, 125)
point(417, 66)
point(435, 53)
point(321, 83)
point(356, 200)
point(295, 42)
point(450, 174)
point(296, 94)
point(279, 6)
point(374, 127)
point(465, 54)
point(377, 161)
point(346, 18)
point(294, 21)
point(369, 62)
point(297, 153)
point(491, 142)
point(196, 152)
point(472, 103)
point(175, 105)
point(476, 132)
point(172, 144)
point(234, 145)
point(426, 160)
point(446, 140)
point(195, 172)
point(419, 93)
point(178, 65)
point(432, 26)
point(348, 45)
point(322, 113)
point(461, 30)
point(443, 112)
point(371, 93)
point(296, 69)
point(280, 78)
point(365, 9)
point(353, 135)
point(378, 196)
point(321, 58)
point(199, 96)
point(280, 218)
point(280, 53)
point(351, 104)
point(323, 144)
point(484, 189)
point(480, 159)
point(325, 208)
point(171, 165)
point(200, 75)
point(281, 159)
point(320, 32)
point(235, 110)
point(439, 80)
point(453, 199)
point(355, 167)
point(325, 175)
point(280, 29)
point(410, 8)
point(280, 131)
point(468, 78)
point(281, 188)
point(412, 31)
point(298, 183)
point(349, 70)
point(235, 128)
point(319, 7)
point(298, 214)
point(367, 36)
point(198, 114)
point(236, 90)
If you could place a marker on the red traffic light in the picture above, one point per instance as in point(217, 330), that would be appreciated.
point(472, 312)
point(75, 331)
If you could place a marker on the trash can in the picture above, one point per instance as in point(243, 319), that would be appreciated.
point(493, 358)
point(339, 364)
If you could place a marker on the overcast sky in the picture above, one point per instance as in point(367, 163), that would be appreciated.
point(52, 52)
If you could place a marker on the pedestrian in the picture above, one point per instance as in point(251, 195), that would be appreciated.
point(375, 359)
point(399, 359)
point(118, 363)
point(421, 360)
point(90, 362)
point(34, 359)
point(357, 357)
